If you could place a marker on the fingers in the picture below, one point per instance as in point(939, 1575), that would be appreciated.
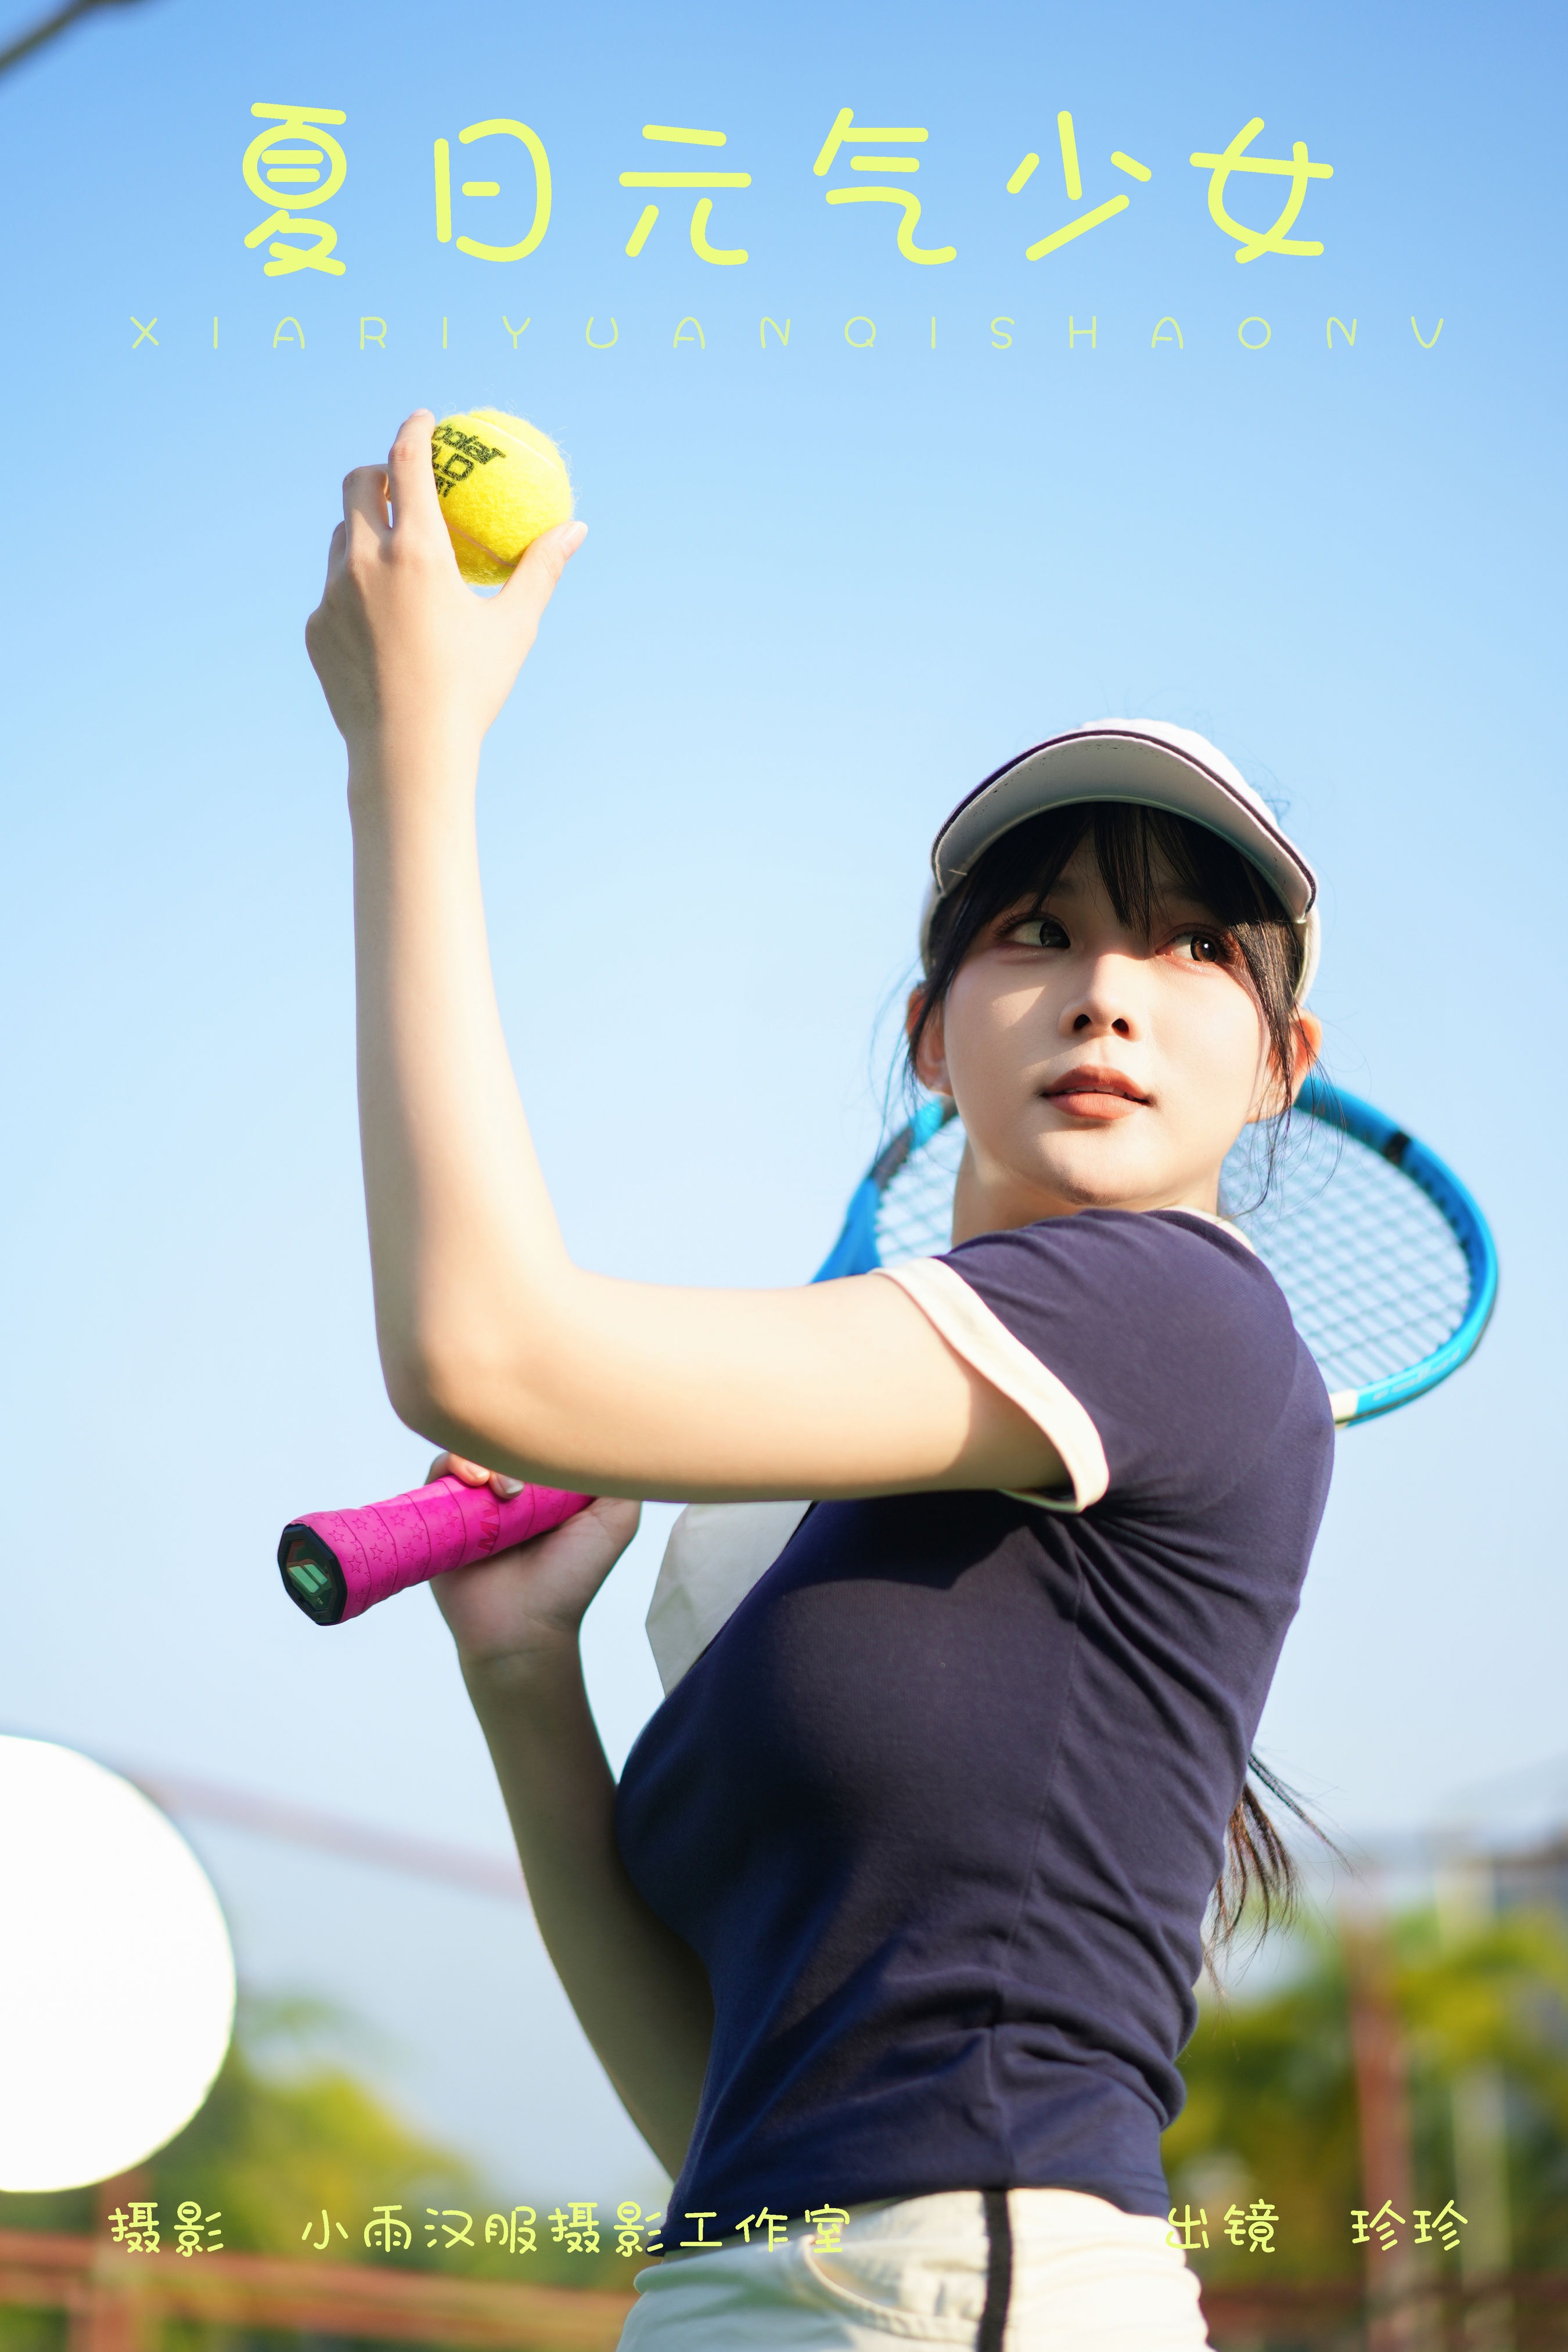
point(473, 1474)
point(616, 1515)
point(416, 504)
point(406, 481)
point(365, 503)
point(532, 584)
point(453, 1466)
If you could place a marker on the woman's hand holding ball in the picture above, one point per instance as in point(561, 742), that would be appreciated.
point(410, 660)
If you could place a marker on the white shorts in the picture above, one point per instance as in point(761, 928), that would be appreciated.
point(1085, 2277)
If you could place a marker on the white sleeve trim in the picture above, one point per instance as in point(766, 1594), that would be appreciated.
point(986, 1344)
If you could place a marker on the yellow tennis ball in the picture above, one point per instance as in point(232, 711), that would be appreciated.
point(502, 483)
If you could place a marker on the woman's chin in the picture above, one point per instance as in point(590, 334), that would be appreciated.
point(1095, 1170)
point(1023, 1197)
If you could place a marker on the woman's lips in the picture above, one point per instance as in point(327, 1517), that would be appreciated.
point(1093, 1094)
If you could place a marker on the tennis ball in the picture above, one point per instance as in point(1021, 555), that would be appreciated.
point(502, 483)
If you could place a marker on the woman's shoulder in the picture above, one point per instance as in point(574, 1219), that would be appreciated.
point(1168, 1330)
point(1148, 1261)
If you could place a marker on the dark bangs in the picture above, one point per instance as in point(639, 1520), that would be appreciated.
point(1139, 851)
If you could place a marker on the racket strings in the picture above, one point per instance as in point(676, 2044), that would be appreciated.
point(1374, 1275)
point(914, 1218)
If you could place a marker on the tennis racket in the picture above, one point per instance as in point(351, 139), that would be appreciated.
point(1388, 1265)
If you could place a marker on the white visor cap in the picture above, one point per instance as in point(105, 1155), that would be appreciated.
point(1153, 764)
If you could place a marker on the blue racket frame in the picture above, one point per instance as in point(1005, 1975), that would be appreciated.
point(855, 1251)
point(1455, 1203)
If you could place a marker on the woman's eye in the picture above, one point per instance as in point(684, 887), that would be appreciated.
point(1037, 931)
point(1203, 947)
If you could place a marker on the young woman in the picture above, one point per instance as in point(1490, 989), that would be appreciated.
point(898, 1908)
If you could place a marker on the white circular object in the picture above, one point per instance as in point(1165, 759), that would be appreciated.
point(116, 1972)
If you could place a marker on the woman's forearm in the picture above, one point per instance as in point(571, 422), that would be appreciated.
point(640, 1994)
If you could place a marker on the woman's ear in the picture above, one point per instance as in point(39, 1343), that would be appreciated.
point(1306, 1044)
point(930, 1057)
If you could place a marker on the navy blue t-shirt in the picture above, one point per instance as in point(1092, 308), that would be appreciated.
point(942, 1805)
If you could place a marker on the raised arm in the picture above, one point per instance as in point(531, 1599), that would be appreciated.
point(492, 1342)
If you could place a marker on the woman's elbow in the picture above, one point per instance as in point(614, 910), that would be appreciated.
point(410, 1394)
point(461, 1399)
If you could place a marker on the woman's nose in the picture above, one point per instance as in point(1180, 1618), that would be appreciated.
point(1105, 1007)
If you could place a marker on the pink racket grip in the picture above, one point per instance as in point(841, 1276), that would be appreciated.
point(338, 1564)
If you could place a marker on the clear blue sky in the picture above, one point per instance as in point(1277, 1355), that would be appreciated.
point(825, 590)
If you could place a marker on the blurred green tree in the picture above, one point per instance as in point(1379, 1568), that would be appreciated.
point(1272, 2109)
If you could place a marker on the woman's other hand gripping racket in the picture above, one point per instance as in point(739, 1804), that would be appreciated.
point(521, 1607)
